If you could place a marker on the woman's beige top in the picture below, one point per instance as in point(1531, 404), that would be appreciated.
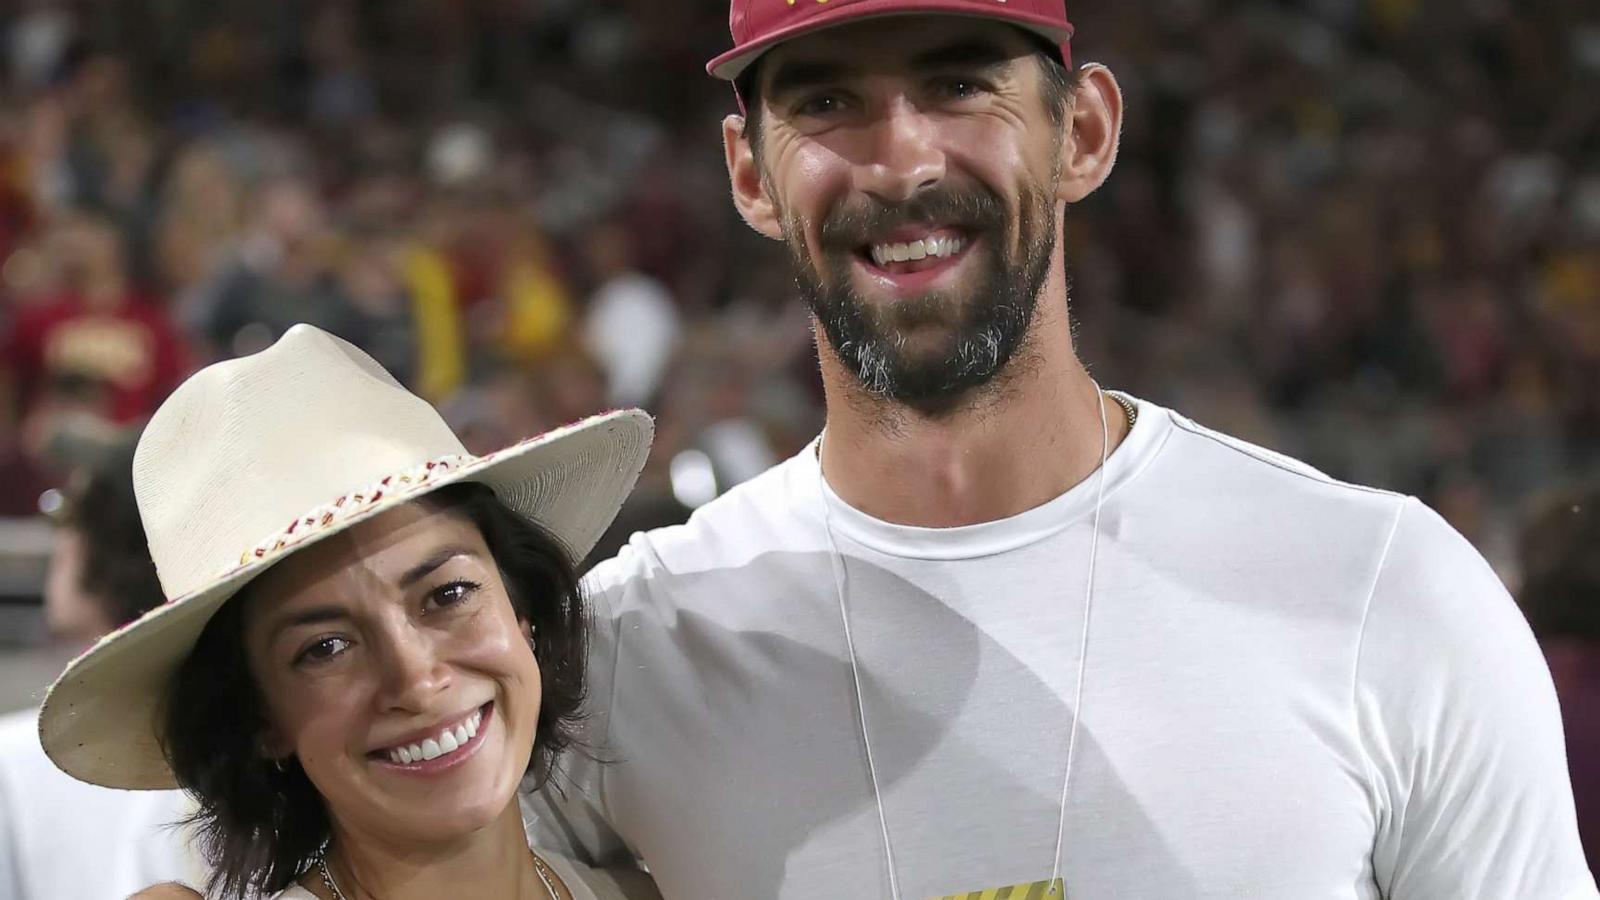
point(584, 883)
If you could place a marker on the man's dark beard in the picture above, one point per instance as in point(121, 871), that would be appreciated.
point(986, 327)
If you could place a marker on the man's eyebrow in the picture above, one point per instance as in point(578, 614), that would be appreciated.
point(797, 75)
point(971, 52)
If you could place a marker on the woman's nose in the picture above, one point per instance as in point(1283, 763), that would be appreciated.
point(412, 671)
point(905, 157)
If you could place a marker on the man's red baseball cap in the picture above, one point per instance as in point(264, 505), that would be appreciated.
point(760, 25)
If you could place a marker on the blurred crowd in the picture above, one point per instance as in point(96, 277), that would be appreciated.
point(1363, 232)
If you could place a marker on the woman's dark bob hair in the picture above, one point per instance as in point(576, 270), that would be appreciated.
point(261, 828)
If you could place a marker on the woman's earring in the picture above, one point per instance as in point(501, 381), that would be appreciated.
point(277, 762)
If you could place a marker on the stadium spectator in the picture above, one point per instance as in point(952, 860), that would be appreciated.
point(1560, 595)
point(61, 839)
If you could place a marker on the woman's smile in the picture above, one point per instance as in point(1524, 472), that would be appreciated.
point(437, 750)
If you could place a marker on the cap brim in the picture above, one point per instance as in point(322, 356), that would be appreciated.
point(100, 722)
point(730, 65)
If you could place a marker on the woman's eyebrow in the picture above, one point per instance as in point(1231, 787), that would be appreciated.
point(314, 615)
point(317, 615)
point(436, 559)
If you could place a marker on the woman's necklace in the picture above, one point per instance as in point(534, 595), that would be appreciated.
point(546, 877)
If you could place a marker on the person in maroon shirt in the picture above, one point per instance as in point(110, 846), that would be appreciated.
point(96, 329)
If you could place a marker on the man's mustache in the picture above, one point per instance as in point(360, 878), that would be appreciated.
point(869, 220)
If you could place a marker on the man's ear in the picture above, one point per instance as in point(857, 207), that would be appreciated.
point(1094, 131)
point(749, 191)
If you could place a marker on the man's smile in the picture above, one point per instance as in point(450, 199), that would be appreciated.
point(915, 259)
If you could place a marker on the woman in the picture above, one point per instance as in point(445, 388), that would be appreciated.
point(353, 697)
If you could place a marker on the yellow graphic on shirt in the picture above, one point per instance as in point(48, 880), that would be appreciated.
point(1039, 890)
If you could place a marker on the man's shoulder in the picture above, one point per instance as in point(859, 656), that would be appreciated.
point(1231, 471)
point(19, 736)
point(1247, 515)
point(767, 514)
point(1412, 547)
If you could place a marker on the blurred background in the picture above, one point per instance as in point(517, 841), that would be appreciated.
point(1365, 233)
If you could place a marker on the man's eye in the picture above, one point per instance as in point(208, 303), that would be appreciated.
point(820, 105)
point(323, 650)
point(959, 88)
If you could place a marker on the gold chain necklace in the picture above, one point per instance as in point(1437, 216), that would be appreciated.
point(539, 868)
point(1127, 407)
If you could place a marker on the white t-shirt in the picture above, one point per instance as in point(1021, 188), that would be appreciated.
point(1296, 688)
point(61, 839)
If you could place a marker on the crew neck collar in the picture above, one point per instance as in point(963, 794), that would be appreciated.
point(1143, 442)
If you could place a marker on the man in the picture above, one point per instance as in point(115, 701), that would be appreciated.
point(945, 650)
point(61, 839)
point(97, 333)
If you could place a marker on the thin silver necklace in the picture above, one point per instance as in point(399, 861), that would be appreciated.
point(333, 886)
point(837, 561)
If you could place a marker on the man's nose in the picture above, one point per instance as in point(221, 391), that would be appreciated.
point(905, 157)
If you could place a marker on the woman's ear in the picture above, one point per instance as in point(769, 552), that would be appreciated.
point(744, 174)
point(273, 747)
point(1094, 132)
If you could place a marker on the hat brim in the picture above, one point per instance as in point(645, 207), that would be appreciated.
point(730, 65)
point(100, 721)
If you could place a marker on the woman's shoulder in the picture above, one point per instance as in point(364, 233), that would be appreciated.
point(587, 883)
point(175, 891)
point(170, 890)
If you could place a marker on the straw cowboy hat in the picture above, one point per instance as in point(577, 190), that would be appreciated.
point(254, 458)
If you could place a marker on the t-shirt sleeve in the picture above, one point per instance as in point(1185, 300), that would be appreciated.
point(568, 815)
point(1462, 733)
point(10, 862)
point(588, 883)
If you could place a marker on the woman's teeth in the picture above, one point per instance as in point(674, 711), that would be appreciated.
point(447, 741)
point(941, 247)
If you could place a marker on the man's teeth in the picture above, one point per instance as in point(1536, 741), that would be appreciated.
point(447, 741)
point(941, 247)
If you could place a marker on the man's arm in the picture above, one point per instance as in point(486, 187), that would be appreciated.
point(1462, 733)
point(570, 822)
point(569, 815)
point(10, 861)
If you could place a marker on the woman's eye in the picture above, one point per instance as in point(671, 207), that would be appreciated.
point(323, 650)
point(451, 594)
